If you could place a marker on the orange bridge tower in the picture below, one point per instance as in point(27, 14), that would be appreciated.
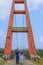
point(11, 29)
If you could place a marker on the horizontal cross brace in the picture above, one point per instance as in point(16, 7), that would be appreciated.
point(19, 1)
point(19, 11)
point(19, 29)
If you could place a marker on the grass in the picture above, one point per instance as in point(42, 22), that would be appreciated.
point(40, 62)
point(2, 62)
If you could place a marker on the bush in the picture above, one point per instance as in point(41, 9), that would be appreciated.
point(40, 53)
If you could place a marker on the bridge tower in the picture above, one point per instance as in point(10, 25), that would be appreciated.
point(11, 29)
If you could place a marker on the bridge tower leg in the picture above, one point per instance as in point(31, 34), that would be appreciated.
point(31, 43)
point(8, 44)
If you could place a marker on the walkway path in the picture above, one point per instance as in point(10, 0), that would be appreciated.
point(26, 62)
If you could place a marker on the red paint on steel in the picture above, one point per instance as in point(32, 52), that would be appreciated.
point(19, 12)
point(31, 43)
point(8, 43)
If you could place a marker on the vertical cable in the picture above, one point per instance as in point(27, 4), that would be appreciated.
point(22, 32)
point(16, 32)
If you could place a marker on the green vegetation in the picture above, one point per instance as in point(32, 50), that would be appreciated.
point(2, 62)
point(40, 53)
point(12, 54)
point(26, 54)
point(1, 52)
point(40, 62)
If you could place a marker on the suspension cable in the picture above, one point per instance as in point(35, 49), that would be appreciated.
point(22, 32)
point(16, 32)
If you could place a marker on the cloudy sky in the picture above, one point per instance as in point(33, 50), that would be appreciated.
point(35, 8)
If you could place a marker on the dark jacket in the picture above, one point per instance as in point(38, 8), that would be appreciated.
point(17, 55)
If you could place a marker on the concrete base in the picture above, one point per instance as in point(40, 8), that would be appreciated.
point(6, 57)
point(34, 57)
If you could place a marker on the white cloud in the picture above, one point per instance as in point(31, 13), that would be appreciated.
point(34, 4)
point(4, 8)
point(41, 39)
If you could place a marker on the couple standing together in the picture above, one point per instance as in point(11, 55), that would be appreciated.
point(19, 57)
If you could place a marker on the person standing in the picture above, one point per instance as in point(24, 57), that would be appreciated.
point(17, 57)
point(21, 58)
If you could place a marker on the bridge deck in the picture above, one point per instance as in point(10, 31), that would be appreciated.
point(13, 62)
